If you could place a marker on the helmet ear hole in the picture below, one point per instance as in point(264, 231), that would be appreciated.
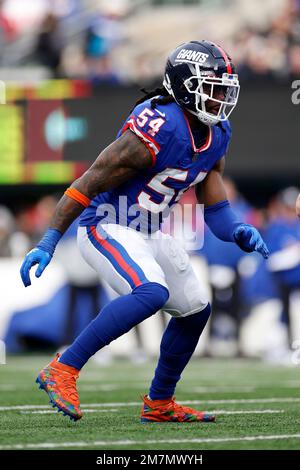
point(191, 84)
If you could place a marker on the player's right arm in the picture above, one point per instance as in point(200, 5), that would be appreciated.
point(118, 163)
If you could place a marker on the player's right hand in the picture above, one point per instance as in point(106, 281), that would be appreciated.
point(35, 256)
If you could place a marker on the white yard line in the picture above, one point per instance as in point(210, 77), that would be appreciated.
point(111, 387)
point(9, 388)
point(112, 410)
point(53, 445)
point(222, 389)
point(141, 385)
point(244, 412)
point(137, 385)
point(184, 402)
point(44, 412)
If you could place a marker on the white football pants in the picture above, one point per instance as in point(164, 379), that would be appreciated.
point(125, 259)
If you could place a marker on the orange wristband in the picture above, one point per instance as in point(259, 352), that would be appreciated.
point(78, 196)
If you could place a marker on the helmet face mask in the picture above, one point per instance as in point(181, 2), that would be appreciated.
point(206, 89)
point(209, 89)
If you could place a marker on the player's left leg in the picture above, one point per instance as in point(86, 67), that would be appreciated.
point(190, 309)
point(177, 346)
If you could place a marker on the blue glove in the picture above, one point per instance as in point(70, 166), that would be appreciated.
point(35, 256)
point(40, 255)
point(249, 239)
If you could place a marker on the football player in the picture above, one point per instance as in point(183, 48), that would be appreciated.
point(175, 137)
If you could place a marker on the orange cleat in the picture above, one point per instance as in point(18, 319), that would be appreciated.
point(59, 382)
point(166, 411)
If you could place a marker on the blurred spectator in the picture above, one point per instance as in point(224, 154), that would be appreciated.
point(7, 226)
point(12, 242)
point(294, 60)
point(278, 278)
point(43, 212)
point(7, 28)
point(282, 234)
point(298, 205)
point(274, 51)
point(50, 44)
point(92, 44)
point(32, 219)
point(102, 35)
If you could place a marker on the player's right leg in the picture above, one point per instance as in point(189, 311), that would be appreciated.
point(122, 258)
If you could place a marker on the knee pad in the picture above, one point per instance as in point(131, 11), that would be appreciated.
point(185, 309)
point(153, 293)
point(197, 319)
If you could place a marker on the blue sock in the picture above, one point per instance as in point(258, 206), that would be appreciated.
point(115, 319)
point(177, 346)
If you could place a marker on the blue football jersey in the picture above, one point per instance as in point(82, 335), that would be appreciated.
point(145, 200)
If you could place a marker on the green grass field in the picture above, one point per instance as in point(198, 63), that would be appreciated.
point(257, 407)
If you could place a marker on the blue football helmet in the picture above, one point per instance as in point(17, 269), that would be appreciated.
point(198, 71)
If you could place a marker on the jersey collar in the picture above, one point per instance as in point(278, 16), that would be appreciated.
point(208, 141)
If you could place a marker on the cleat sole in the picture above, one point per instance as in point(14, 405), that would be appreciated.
point(55, 405)
point(145, 421)
point(206, 420)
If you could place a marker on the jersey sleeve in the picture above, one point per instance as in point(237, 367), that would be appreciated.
point(153, 127)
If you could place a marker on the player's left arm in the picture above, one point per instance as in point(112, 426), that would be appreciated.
point(221, 219)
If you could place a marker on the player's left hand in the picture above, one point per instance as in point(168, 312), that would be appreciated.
point(249, 239)
point(35, 256)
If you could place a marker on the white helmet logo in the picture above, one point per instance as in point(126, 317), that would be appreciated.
point(189, 55)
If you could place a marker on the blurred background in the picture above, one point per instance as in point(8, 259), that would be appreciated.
point(72, 71)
